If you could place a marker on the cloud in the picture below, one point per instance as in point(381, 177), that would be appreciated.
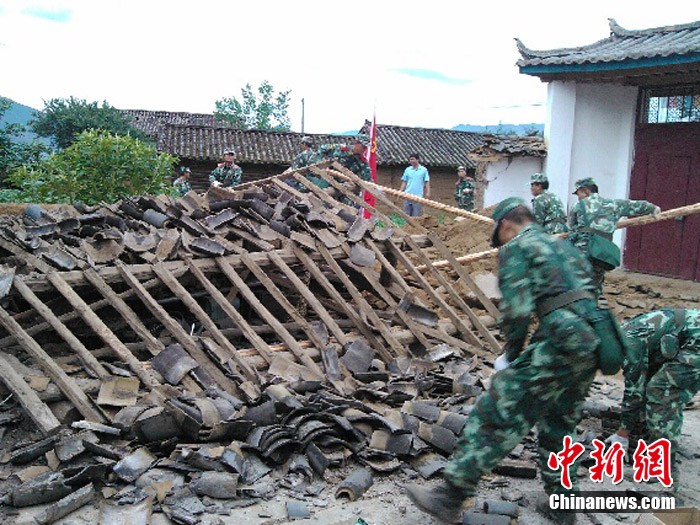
point(429, 74)
point(53, 15)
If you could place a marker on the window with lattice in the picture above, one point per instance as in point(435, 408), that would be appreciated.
point(670, 105)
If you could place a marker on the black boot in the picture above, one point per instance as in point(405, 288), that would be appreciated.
point(557, 516)
point(443, 502)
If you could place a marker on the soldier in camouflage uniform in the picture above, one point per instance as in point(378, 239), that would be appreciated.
point(307, 157)
point(464, 189)
point(227, 173)
point(543, 383)
point(352, 157)
point(182, 183)
point(547, 207)
point(662, 374)
point(595, 215)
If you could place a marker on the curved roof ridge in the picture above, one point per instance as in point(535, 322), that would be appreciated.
point(619, 31)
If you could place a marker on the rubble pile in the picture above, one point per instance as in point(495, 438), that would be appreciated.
point(190, 355)
point(212, 452)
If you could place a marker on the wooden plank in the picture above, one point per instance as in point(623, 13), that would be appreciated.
point(258, 343)
point(495, 346)
point(368, 274)
point(311, 298)
point(145, 271)
point(371, 277)
point(291, 311)
point(34, 407)
point(73, 342)
point(178, 332)
point(455, 265)
point(458, 322)
point(441, 247)
point(208, 324)
point(263, 312)
point(364, 306)
point(153, 345)
point(51, 369)
point(69, 316)
point(436, 334)
point(102, 330)
point(135, 323)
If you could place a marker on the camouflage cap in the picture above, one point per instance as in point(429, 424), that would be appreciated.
point(584, 183)
point(229, 150)
point(307, 140)
point(538, 178)
point(461, 168)
point(363, 139)
point(501, 210)
point(185, 169)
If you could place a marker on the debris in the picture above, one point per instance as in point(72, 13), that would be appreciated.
point(355, 485)
point(66, 505)
point(297, 510)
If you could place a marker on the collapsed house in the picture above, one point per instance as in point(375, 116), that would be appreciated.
point(172, 350)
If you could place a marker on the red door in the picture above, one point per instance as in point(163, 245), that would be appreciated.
point(666, 172)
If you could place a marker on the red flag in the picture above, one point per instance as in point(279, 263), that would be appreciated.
point(371, 158)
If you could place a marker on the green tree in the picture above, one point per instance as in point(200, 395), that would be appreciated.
point(13, 152)
point(97, 167)
point(62, 120)
point(266, 110)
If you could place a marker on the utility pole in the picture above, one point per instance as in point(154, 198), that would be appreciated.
point(302, 115)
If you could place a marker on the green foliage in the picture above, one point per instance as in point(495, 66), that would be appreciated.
point(13, 152)
point(97, 167)
point(64, 119)
point(262, 111)
point(8, 195)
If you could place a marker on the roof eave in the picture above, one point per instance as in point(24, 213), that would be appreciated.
point(597, 67)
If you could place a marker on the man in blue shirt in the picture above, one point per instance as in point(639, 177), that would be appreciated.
point(415, 181)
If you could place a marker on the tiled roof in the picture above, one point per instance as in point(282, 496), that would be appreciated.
point(437, 147)
point(251, 146)
point(152, 122)
point(511, 146)
point(622, 45)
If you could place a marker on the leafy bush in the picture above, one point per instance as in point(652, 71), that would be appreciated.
point(97, 167)
point(63, 120)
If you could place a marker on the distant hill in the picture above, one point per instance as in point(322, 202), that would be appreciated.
point(503, 129)
point(21, 114)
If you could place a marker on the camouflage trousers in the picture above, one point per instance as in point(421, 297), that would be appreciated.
point(545, 386)
point(667, 393)
point(598, 278)
point(466, 204)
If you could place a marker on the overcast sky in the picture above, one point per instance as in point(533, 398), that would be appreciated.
point(431, 64)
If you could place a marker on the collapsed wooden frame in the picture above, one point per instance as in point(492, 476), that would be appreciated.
point(92, 314)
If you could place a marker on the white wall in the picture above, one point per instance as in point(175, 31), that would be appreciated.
point(510, 178)
point(589, 132)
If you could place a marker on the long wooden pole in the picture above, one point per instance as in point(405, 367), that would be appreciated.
point(683, 211)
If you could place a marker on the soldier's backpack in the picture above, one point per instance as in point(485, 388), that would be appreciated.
point(600, 246)
point(613, 344)
point(612, 349)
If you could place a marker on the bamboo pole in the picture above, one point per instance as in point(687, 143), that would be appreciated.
point(420, 200)
point(683, 211)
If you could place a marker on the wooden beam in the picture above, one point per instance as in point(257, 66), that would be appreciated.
point(178, 332)
point(73, 342)
point(364, 307)
point(34, 407)
point(102, 330)
point(310, 298)
point(192, 305)
point(51, 369)
point(263, 312)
